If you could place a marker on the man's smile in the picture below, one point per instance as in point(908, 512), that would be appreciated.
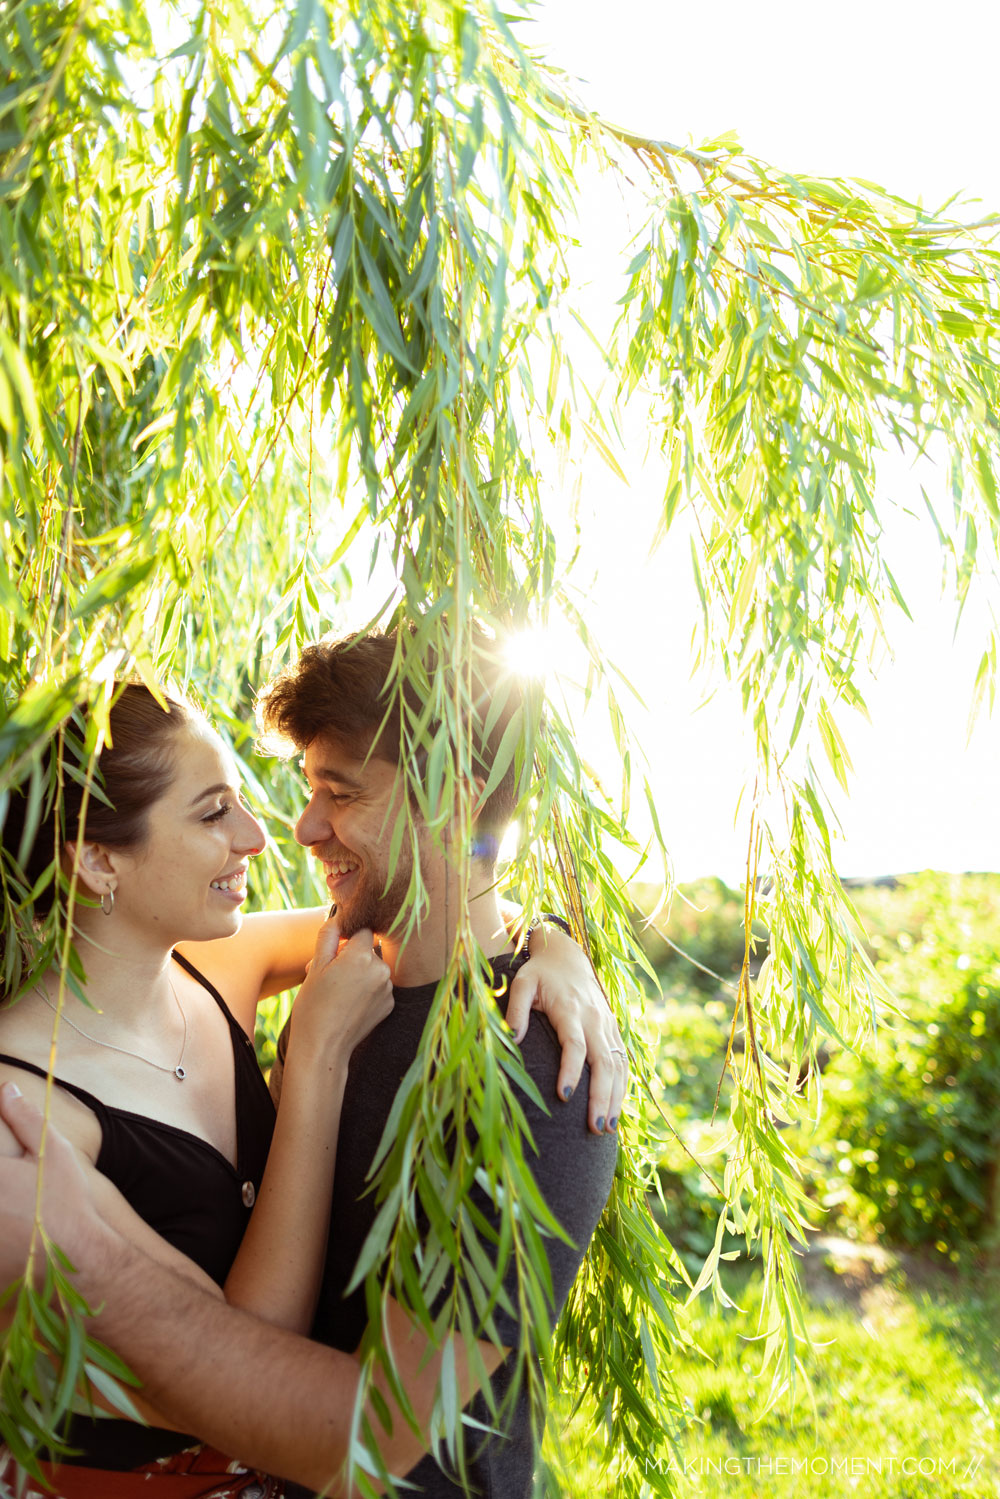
point(339, 869)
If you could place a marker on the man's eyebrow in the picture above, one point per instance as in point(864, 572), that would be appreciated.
point(331, 773)
point(211, 791)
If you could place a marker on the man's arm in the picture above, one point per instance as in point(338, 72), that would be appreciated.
point(573, 1170)
point(270, 1397)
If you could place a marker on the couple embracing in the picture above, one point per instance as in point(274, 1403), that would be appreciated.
point(217, 1236)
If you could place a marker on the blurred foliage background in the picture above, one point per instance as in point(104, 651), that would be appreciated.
point(907, 1144)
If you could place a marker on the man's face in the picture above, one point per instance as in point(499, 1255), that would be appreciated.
point(348, 824)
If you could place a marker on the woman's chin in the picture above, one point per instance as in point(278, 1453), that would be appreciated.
point(215, 928)
point(232, 923)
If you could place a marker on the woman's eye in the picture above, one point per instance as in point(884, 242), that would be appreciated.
point(219, 813)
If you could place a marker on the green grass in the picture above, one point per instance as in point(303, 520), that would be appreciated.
point(909, 1379)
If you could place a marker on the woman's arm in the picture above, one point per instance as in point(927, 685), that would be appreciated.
point(272, 948)
point(277, 1270)
point(559, 980)
point(276, 1274)
point(269, 953)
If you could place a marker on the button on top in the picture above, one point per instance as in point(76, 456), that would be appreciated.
point(249, 1194)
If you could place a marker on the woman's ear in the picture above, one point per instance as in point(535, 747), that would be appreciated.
point(94, 867)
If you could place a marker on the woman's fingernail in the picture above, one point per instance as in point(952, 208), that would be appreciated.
point(567, 1092)
point(613, 1123)
point(600, 1125)
point(13, 1091)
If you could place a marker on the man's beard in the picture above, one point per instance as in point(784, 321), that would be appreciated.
point(372, 906)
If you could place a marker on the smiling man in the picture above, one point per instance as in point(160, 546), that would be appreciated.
point(283, 1403)
point(352, 804)
point(335, 709)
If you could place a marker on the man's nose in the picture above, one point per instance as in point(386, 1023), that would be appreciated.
point(312, 827)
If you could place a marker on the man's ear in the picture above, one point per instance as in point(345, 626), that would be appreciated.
point(478, 786)
point(477, 806)
point(94, 866)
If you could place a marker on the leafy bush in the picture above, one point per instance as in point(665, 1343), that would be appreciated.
point(912, 1127)
point(691, 1033)
point(909, 1139)
point(705, 922)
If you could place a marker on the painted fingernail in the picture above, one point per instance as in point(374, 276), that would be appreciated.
point(567, 1092)
point(600, 1125)
point(613, 1124)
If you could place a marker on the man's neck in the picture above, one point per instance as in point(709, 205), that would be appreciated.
point(423, 956)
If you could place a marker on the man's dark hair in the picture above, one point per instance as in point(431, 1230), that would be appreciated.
point(345, 689)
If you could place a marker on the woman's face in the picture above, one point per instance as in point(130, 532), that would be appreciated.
point(187, 881)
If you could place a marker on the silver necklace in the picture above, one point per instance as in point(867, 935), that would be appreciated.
point(178, 1071)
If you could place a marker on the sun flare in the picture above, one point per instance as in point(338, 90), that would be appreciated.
point(532, 652)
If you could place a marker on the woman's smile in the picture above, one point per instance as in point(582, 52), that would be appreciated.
point(233, 885)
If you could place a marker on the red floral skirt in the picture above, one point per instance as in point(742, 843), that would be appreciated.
point(198, 1473)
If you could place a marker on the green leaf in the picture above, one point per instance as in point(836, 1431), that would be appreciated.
point(112, 585)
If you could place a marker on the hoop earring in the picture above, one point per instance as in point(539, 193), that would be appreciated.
point(109, 895)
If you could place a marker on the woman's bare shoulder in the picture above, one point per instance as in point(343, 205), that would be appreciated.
point(70, 1116)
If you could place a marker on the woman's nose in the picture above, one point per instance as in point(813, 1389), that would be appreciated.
point(253, 837)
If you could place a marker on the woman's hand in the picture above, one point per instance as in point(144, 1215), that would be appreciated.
point(559, 980)
point(347, 992)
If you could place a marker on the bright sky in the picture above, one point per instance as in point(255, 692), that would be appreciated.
point(903, 95)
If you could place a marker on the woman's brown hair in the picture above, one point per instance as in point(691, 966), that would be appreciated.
point(132, 772)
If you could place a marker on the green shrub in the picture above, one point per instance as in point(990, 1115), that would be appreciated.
point(704, 921)
point(691, 1033)
point(912, 1127)
point(910, 1135)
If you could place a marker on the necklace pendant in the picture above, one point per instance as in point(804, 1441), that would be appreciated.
point(179, 1072)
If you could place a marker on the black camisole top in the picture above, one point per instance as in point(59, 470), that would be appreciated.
point(190, 1194)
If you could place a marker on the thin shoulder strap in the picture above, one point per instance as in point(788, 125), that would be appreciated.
point(189, 967)
point(80, 1093)
point(234, 1024)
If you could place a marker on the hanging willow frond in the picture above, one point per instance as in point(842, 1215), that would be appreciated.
point(282, 292)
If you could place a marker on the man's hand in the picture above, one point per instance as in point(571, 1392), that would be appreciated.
point(559, 980)
point(68, 1213)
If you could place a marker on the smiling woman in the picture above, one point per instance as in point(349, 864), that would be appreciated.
point(198, 838)
point(159, 850)
point(153, 845)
